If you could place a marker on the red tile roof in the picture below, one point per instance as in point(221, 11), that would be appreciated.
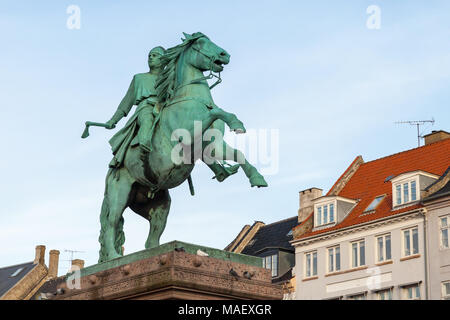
point(368, 182)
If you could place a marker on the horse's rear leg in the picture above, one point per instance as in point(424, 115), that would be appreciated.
point(157, 216)
point(155, 210)
point(115, 201)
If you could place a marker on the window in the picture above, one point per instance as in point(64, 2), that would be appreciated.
point(405, 192)
point(334, 259)
point(444, 231)
point(16, 272)
point(374, 203)
point(410, 241)
point(384, 248)
point(411, 292)
point(398, 192)
point(311, 264)
point(446, 290)
point(331, 212)
point(319, 216)
point(413, 191)
point(358, 254)
point(361, 296)
point(325, 214)
point(271, 262)
point(384, 294)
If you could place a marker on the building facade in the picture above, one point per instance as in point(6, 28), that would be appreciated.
point(271, 243)
point(22, 281)
point(371, 235)
point(437, 230)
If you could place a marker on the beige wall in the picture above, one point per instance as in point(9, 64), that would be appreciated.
point(439, 258)
point(353, 281)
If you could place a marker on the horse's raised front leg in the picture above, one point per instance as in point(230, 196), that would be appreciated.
point(230, 119)
point(231, 154)
point(115, 201)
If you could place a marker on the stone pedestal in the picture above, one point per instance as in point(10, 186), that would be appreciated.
point(175, 270)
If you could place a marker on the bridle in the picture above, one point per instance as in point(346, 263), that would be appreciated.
point(211, 75)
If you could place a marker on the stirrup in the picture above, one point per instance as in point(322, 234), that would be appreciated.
point(230, 170)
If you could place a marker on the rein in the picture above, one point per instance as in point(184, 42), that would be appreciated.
point(210, 76)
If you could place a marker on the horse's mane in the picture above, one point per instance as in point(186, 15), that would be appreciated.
point(165, 83)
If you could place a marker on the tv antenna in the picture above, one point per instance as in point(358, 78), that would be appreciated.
point(71, 254)
point(418, 124)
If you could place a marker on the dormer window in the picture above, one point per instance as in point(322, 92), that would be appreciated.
point(329, 210)
point(325, 214)
point(406, 187)
point(405, 192)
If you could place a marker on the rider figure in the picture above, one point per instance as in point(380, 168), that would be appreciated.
point(143, 94)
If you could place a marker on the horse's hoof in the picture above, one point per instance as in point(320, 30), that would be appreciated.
point(113, 256)
point(237, 126)
point(238, 131)
point(258, 181)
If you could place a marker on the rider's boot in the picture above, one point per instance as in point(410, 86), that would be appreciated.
point(222, 172)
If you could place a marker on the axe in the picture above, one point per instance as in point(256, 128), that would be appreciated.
point(95, 124)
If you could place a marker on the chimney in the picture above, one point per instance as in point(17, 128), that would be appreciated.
point(40, 255)
point(77, 264)
point(53, 264)
point(436, 136)
point(306, 202)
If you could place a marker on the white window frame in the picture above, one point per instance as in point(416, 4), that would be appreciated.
point(402, 191)
point(320, 212)
point(414, 288)
point(358, 258)
point(377, 251)
point(333, 250)
point(411, 242)
point(441, 229)
point(271, 262)
point(445, 293)
point(311, 266)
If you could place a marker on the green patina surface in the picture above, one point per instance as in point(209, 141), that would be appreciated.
point(168, 247)
point(176, 123)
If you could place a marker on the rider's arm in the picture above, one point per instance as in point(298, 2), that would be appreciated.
point(125, 105)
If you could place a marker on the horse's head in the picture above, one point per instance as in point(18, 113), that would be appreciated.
point(196, 51)
point(204, 54)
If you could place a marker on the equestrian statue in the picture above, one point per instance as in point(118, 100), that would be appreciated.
point(157, 148)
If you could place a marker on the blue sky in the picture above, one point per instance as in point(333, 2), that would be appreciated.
point(312, 70)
